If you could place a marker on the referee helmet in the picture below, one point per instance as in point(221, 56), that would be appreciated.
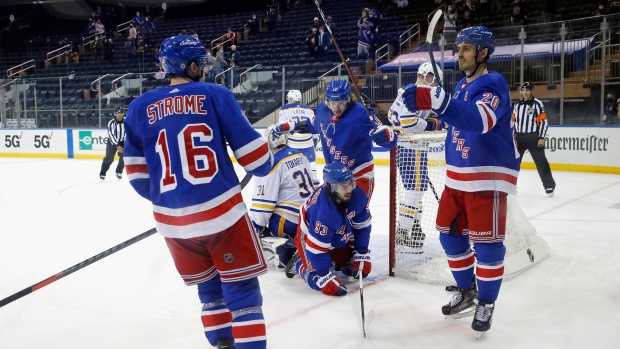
point(118, 110)
point(527, 86)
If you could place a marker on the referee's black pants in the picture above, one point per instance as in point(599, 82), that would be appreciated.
point(529, 141)
point(110, 151)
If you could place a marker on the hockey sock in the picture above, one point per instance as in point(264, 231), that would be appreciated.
point(216, 319)
point(489, 269)
point(244, 300)
point(461, 258)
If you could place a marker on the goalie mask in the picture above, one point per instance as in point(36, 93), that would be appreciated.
point(427, 68)
point(339, 182)
point(275, 139)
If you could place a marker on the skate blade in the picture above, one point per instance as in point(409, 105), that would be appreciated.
point(479, 335)
point(466, 313)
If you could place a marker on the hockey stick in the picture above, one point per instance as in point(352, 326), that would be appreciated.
point(28, 290)
point(429, 40)
point(346, 65)
point(371, 314)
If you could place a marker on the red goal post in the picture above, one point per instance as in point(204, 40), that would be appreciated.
point(417, 178)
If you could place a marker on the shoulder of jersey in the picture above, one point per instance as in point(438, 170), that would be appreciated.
point(285, 153)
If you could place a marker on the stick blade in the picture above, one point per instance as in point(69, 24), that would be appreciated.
point(432, 25)
point(369, 317)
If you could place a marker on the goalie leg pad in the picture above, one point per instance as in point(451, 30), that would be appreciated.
point(215, 316)
point(489, 269)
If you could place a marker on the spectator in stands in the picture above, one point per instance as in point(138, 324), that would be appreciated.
point(449, 23)
point(99, 27)
point(360, 22)
point(98, 54)
point(601, 9)
point(133, 33)
point(331, 24)
point(311, 43)
point(375, 19)
point(138, 20)
point(402, 3)
point(91, 26)
point(518, 12)
point(234, 59)
point(272, 19)
point(220, 63)
point(323, 42)
point(98, 14)
point(129, 48)
point(315, 24)
point(365, 40)
point(612, 112)
point(75, 57)
point(108, 50)
point(253, 24)
point(194, 34)
point(149, 26)
point(229, 38)
point(469, 14)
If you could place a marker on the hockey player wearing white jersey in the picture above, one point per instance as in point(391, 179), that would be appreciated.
point(334, 228)
point(277, 197)
point(413, 159)
point(295, 112)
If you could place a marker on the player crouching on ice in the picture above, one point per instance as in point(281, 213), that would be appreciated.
point(334, 229)
point(278, 196)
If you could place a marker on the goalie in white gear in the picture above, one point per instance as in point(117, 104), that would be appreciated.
point(277, 197)
point(413, 159)
point(296, 112)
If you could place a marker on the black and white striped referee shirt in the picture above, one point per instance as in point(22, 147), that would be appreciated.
point(116, 133)
point(529, 117)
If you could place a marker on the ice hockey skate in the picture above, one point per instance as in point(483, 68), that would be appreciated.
point(483, 317)
point(119, 175)
point(462, 302)
point(413, 238)
point(289, 270)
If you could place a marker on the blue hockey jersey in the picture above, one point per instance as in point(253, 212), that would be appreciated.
point(481, 150)
point(323, 226)
point(176, 157)
point(346, 139)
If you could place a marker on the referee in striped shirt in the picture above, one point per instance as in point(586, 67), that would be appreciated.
point(531, 126)
point(116, 143)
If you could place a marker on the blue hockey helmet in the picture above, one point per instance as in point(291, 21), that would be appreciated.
point(338, 90)
point(480, 36)
point(337, 173)
point(177, 52)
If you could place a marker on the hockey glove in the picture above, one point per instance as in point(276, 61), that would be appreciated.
point(434, 124)
point(361, 263)
point(383, 135)
point(330, 285)
point(285, 127)
point(426, 98)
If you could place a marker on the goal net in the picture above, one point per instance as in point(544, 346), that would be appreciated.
point(417, 178)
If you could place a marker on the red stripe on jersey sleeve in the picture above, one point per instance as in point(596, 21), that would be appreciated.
point(363, 171)
point(131, 169)
point(490, 122)
point(202, 216)
point(253, 155)
point(311, 244)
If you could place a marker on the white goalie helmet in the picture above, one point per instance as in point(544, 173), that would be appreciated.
point(426, 68)
point(295, 95)
point(275, 139)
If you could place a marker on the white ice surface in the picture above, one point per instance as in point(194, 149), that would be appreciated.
point(55, 213)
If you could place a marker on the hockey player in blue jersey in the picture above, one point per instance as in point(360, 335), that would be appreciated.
point(413, 159)
point(176, 157)
point(482, 168)
point(296, 112)
point(277, 197)
point(333, 219)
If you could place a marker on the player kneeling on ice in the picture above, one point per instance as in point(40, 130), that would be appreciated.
point(277, 197)
point(482, 168)
point(334, 232)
